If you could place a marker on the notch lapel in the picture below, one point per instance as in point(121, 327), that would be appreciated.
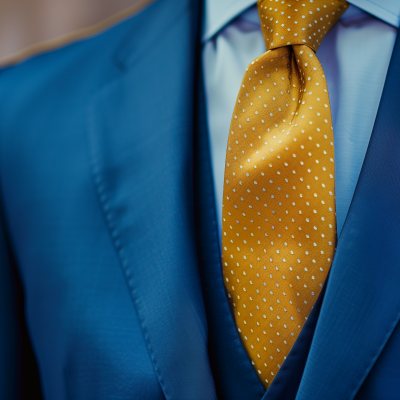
point(362, 304)
point(141, 144)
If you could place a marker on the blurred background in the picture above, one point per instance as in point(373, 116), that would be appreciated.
point(24, 23)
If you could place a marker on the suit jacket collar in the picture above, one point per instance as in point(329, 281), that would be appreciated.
point(141, 149)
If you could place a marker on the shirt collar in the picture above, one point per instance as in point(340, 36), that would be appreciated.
point(219, 13)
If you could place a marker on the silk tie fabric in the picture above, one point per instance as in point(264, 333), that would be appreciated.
point(279, 224)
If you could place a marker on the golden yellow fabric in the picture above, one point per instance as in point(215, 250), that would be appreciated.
point(279, 224)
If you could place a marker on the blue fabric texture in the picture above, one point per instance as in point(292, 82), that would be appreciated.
point(18, 371)
point(96, 177)
point(97, 184)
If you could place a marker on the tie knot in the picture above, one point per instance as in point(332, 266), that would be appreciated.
point(290, 22)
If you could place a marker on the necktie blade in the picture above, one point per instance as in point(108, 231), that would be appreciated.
point(279, 224)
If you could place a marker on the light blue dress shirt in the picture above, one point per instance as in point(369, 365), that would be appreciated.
point(354, 55)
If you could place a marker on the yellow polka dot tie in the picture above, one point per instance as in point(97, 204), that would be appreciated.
point(279, 223)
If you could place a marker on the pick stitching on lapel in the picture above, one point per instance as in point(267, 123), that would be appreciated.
point(141, 142)
point(362, 305)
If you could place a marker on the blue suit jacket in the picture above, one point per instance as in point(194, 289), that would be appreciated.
point(108, 218)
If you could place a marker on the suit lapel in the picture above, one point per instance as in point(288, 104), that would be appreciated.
point(362, 303)
point(141, 143)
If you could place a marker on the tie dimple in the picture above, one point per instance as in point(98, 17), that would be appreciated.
point(279, 225)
